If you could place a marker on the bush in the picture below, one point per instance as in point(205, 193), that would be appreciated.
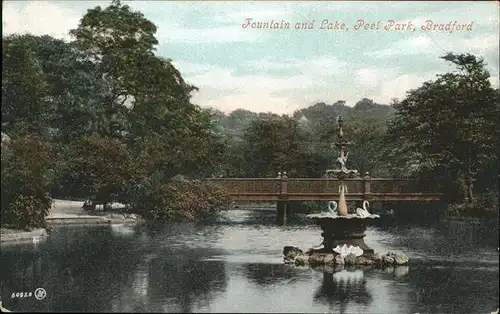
point(26, 176)
point(26, 212)
point(179, 199)
point(484, 206)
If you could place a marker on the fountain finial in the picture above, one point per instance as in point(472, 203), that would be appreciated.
point(341, 145)
point(341, 132)
point(342, 159)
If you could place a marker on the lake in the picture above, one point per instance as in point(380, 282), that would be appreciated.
point(233, 263)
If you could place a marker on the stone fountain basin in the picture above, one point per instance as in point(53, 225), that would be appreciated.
point(347, 225)
point(342, 230)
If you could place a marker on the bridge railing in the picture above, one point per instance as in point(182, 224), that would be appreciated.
point(323, 185)
point(323, 188)
point(249, 185)
point(386, 185)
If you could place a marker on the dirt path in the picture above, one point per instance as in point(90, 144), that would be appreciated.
point(73, 209)
point(67, 209)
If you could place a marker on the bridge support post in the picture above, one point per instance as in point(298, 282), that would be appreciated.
point(367, 194)
point(282, 204)
point(282, 212)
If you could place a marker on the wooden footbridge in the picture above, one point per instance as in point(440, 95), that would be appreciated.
point(324, 189)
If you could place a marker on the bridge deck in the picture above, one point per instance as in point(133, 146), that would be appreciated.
point(324, 189)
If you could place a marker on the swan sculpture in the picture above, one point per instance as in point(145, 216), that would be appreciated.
point(363, 212)
point(332, 210)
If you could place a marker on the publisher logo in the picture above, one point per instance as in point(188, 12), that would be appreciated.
point(40, 293)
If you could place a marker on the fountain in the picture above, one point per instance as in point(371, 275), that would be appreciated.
point(343, 233)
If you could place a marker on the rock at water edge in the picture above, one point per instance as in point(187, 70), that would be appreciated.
point(329, 260)
point(361, 260)
point(350, 259)
point(301, 260)
point(387, 259)
point(291, 251)
point(401, 259)
point(377, 259)
point(339, 260)
point(316, 259)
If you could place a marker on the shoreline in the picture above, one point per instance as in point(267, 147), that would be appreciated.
point(467, 219)
point(65, 212)
point(17, 235)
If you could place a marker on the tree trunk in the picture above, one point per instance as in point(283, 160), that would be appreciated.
point(469, 192)
point(469, 183)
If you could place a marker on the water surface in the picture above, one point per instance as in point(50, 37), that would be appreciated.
point(234, 264)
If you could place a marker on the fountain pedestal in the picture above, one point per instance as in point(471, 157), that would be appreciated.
point(342, 230)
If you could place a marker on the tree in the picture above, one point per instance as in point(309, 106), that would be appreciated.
point(121, 43)
point(368, 108)
point(65, 90)
point(27, 165)
point(117, 42)
point(448, 127)
point(101, 167)
point(24, 90)
point(275, 145)
point(367, 151)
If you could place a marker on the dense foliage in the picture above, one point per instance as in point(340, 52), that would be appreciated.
point(118, 122)
point(27, 165)
point(179, 199)
point(447, 130)
point(101, 167)
point(264, 144)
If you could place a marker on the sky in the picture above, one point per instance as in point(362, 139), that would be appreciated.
point(282, 70)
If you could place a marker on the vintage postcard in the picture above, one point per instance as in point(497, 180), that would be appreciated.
point(250, 156)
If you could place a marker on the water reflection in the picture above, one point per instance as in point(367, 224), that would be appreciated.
point(271, 274)
point(264, 216)
point(189, 282)
point(109, 273)
point(340, 288)
point(76, 273)
point(123, 230)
